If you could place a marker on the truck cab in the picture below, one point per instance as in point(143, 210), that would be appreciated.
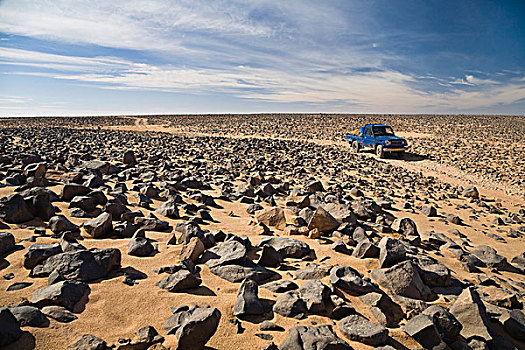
point(378, 137)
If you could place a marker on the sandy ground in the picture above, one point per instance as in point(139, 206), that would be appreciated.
point(115, 310)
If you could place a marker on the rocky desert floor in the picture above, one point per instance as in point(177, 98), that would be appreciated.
point(261, 232)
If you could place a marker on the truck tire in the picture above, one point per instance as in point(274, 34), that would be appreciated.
point(356, 147)
point(379, 151)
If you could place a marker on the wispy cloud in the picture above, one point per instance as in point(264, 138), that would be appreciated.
point(326, 55)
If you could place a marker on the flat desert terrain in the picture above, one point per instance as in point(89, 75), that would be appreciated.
point(261, 232)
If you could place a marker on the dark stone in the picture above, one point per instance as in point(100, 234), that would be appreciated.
point(59, 313)
point(29, 316)
point(402, 279)
point(290, 304)
point(288, 247)
point(179, 281)
point(313, 338)
point(9, 328)
point(59, 224)
point(18, 286)
point(248, 302)
point(193, 328)
point(391, 251)
point(14, 210)
point(7, 243)
point(140, 246)
point(88, 342)
point(37, 253)
point(281, 286)
point(100, 226)
point(423, 330)
point(350, 281)
point(270, 257)
point(65, 293)
point(358, 328)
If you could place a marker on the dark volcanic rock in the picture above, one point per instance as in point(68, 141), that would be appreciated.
point(446, 324)
point(358, 328)
point(313, 338)
point(244, 270)
point(423, 330)
point(70, 191)
point(383, 308)
point(391, 251)
point(38, 253)
point(402, 279)
point(81, 265)
point(65, 293)
point(316, 296)
point(248, 302)
point(290, 304)
point(88, 342)
point(140, 246)
point(193, 328)
point(288, 247)
point(29, 316)
point(350, 280)
point(59, 224)
point(470, 311)
point(100, 226)
point(7, 243)
point(14, 210)
point(179, 281)
point(59, 313)
point(9, 328)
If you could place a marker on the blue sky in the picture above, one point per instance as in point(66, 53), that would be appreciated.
point(67, 57)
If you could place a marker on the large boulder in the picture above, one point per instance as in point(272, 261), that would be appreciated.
point(228, 252)
point(313, 338)
point(69, 191)
point(358, 328)
point(471, 192)
point(37, 253)
point(88, 342)
point(470, 311)
point(350, 281)
point(405, 226)
point(193, 328)
point(9, 327)
point(322, 221)
point(248, 302)
point(14, 209)
point(391, 251)
point(273, 217)
point(446, 324)
point(239, 271)
point(288, 247)
point(384, 309)
point(290, 304)
point(66, 293)
point(402, 279)
point(140, 246)
point(179, 281)
point(423, 330)
point(100, 226)
point(316, 296)
point(29, 316)
point(490, 257)
point(7, 243)
point(81, 265)
point(59, 224)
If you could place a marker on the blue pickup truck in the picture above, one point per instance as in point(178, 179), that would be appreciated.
point(380, 138)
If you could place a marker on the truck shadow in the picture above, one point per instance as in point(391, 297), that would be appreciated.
point(413, 157)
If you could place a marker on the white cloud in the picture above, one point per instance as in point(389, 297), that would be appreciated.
point(384, 91)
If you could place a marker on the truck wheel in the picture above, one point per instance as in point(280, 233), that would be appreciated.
point(355, 147)
point(379, 151)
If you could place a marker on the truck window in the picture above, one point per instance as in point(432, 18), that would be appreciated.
point(368, 131)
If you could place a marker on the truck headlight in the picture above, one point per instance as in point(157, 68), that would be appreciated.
point(387, 142)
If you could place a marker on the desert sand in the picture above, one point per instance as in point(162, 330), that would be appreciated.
point(211, 169)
